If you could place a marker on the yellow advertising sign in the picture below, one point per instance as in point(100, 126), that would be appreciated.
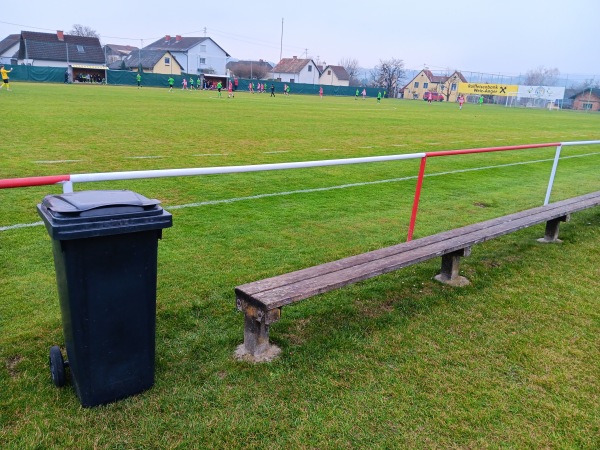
point(488, 89)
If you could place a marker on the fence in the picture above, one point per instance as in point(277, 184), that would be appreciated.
point(126, 77)
point(68, 180)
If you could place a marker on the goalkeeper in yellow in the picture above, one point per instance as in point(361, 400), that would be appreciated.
point(4, 74)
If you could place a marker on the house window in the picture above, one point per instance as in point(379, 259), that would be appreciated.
point(425, 85)
point(453, 87)
point(587, 106)
point(329, 72)
point(80, 49)
point(310, 68)
point(201, 60)
point(167, 61)
point(203, 48)
point(416, 84)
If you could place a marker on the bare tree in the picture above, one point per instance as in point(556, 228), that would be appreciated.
point(84, 31)
point(450, 85)
point(249, 70)
point(587, 84)
point(353, 69)
point(542, 76)
point(388, 75)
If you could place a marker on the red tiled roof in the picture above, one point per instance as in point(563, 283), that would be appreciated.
point(439, 79)
point(291, 65)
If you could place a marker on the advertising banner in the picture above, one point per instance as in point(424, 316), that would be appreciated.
point(487, 89)
point(549, 93)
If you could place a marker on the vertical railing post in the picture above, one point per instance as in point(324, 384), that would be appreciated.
point(67, 187)
point(552, 174)
point(415, 208)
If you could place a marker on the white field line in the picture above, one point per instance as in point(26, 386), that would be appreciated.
point(21, 225)
point(60, 161)
point(277, 151)
point(329, 188)
point(213, 154)
point(144, 157)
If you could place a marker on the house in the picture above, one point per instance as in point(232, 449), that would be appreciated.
point(113, 52)
point(295, 70)
point(59, 50)
point(587, 100)
point(82, 56)
point(9, 47)
point(426, 81)
point(334, 76)
point(197, 55)
point(151, 61)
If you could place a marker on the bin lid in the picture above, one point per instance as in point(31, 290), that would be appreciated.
point(83, 214)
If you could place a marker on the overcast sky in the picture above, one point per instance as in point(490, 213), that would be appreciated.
point(507, 37)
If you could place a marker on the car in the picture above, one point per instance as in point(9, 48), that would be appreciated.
point(435, 97)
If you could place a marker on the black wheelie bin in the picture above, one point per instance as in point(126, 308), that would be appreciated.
point(105, 246)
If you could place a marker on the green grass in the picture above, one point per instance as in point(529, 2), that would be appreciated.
point(399, 361)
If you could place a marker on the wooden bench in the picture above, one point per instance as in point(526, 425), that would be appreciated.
point(261, 301)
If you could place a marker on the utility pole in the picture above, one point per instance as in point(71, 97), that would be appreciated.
point(281, 44)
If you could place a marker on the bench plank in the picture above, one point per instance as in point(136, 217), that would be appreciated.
point(284, 289)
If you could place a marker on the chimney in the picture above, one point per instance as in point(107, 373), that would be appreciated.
point(60, 35)
point(295, 57)
point(178, 38)
point(167, 38)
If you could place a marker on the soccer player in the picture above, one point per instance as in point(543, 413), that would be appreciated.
point(4, 74)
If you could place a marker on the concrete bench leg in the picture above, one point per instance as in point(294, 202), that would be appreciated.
point(450, 267)
point(256, 346)
point(551, 234)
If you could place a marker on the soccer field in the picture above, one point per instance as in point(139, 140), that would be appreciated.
point(395, 362)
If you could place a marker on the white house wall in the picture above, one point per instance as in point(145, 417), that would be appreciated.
point(311, 77)
point(214, 58)
point(43, 63)
point(6, 57)
point(332, 79)
point(304, 76)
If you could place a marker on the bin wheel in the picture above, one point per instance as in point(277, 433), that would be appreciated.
point(57, 366)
